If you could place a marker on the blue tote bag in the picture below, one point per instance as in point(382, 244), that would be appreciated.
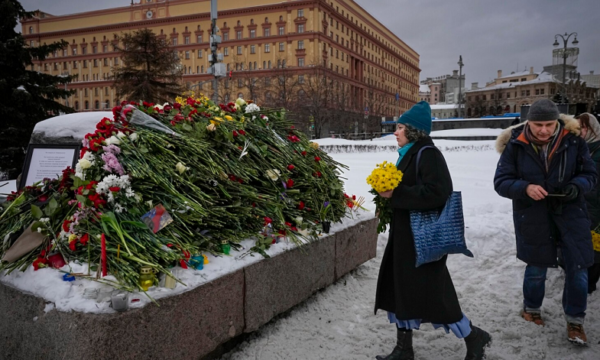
point(437, 234)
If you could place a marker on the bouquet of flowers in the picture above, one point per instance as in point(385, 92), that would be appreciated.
point(385, 177)
point(158, 184)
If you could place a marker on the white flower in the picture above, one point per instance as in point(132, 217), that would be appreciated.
point(239, 102)
point(113, 140)
point(138, 197)
point(298, 220)
point(211, 127)
point(120, 135)
point(129, 193)
point(45, 220)
point(252, 108)
point(119, 209)
point(133, 137)
point(181, 167)
point(39, 229)
point(149, 203)
point(84, 164)
point(273, 174)
point(159, 107)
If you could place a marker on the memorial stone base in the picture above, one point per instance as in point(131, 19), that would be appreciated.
point(190, 325)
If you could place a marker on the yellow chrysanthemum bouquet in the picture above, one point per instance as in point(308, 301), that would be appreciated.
point(384, 177)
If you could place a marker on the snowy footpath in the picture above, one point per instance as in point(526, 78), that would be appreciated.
point(338, 323)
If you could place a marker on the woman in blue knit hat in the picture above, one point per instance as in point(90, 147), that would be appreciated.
point(411, 295)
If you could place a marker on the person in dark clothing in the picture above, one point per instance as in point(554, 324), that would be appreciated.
point(545, 168)
point(590, 132)
point(412, 295)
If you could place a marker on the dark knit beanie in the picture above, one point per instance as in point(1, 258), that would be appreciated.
point(543, 110)
point(418, 116)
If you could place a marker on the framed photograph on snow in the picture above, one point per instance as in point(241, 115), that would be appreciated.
point(47, 161)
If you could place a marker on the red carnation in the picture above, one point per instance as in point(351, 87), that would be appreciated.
point(114, 188)
point(291, 167)
point(301, 205)
point(84, 239)
point(177, 106)
point(242, 132)
point(268, 220)
point(304, 153)
point(235, 134)
point(317, 159)
point(65, 225)
point(72, 245)
point(39, 262)
point(43, 197)
point(290, 183)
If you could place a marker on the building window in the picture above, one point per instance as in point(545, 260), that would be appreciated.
point(104, 48)
point(202, 70)
point(95, 62)
point(527, 92)
point(300, 12)
point(267, 32)
point(300, 79)
point(252, 34)
point(300, 61)
point(94, 49)
point(174, 41)
point(281, 46)
point(55, 66)
point(87, 105)
point(240, 83)
point(267, 48)
point(226, 36)
point(252, 49)
point(76, 105)
point(269, 64)
point(186, 40)
point(85, 64)
point(301, 45)
point(199, 53)
point(281, 30)
point(300, 28)
point(31, 29)
point(239, 50)
point(199, 39)
point(226, 51)
point(542, 91)
point(239, 35)
point(116, 61)
point(84, 50)
point(537, 91)
point(74, 51)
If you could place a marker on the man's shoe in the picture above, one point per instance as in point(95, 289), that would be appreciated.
point(476, 343)
point(576, 335)
point(533, 317)
point(403, 349)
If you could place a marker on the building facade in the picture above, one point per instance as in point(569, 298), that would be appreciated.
point(507, 93)
point(337, 38)
point(443, 85)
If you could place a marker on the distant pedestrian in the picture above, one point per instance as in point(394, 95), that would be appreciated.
point(414, 295)
point(545, 168)
point(590, 132)
point(516, 121)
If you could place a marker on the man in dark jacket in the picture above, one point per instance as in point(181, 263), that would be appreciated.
point(545, 168)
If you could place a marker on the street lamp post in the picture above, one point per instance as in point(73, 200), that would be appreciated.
point(460, 66)
point(565, 39)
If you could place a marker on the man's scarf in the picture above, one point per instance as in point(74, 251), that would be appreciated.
point(545, 148)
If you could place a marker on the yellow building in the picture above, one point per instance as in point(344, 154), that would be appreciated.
point(338, 37)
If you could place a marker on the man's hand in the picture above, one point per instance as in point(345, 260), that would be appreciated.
point(571, 192)
point(386, 194)
point(536, 192)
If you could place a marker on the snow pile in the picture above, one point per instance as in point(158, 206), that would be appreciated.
point(75, 296)
point(71, 125)
point(339, 323)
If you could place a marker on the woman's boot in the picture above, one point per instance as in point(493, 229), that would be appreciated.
point(403, 349)
point(476, 342)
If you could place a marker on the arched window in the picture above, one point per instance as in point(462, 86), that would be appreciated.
point(76, 105)
point(264, 64)
point(106, 104)
point(97, 105)
point(269, 64)
point(240, 96)
point(87, 105)
point(255, 65)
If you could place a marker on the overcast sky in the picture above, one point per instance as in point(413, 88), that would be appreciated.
point(491, 35)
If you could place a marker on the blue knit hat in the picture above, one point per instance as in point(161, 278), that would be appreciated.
point(418, 116)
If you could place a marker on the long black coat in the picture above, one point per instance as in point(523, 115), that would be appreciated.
point(426, 292)
point(539, 227)
point(592, 198)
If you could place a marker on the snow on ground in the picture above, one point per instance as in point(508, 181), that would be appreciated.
point(338, 322)
point(467, 132)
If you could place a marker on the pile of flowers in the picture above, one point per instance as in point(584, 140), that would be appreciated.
point(385, 177)
point(223, 173)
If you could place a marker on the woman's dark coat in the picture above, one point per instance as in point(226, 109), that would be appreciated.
point(426, 292)
point(541, 226)
point(592, 198)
